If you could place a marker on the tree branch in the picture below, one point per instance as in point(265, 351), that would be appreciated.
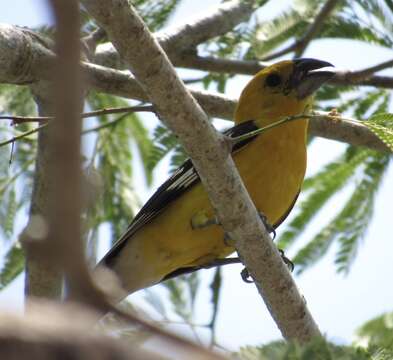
point(37, 62)
point(191, 60)
point(215, 167)
point(88, 114)
point(363, 77)
point(366, 74)
point(346, 130)
point(214, 23)
point(186, 37)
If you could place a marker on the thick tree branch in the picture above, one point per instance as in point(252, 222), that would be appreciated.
point(217, 22)
point(347, 131)
point(216, 168)
point(62, 331)
point(187, 36)
point(28, 61)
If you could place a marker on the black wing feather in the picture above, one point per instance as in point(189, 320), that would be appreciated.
point(182, 180)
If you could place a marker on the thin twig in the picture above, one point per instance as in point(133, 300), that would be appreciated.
point(105, 125)
point(21, 136)
point(106, 111)
point(84, 115)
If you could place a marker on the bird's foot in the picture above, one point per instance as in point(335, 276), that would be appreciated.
point(287, 262)
point(270, 229)
point(201, 220)
point(246, 277)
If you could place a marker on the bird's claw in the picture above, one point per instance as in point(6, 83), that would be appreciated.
point(246, 276)
point(270, 229)
point(287, 262)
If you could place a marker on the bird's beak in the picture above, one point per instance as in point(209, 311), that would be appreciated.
point(307, 76)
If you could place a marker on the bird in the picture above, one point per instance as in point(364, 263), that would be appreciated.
point(176, 230)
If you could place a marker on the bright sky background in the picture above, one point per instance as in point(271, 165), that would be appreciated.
point(339, 303)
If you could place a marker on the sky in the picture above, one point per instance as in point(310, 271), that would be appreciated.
point(338, 303)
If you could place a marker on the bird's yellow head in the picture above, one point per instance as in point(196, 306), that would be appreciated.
point(282, 89)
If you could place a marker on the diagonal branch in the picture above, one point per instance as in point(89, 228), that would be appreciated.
point(300, 45)
point(218, 173)
point(188, 36)
point(214, 23)
point(315, 27)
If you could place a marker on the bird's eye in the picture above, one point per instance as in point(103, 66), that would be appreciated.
point(273, 80)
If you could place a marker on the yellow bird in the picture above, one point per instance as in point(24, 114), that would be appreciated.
point(175, 230)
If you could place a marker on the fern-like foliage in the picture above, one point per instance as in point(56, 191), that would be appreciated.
point(382, 126)
point(318, 349)
point(349, 225)
point(182, 293)
point(356, 165)
point(14, 264)
point(16, 175)
point(319, 189)
point(164, 143)
point(377, 333)
point(156, 12)
point(112, 163)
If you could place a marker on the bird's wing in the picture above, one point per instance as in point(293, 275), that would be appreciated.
point(182, 180)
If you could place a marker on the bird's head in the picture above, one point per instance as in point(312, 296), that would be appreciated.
point(282, 89)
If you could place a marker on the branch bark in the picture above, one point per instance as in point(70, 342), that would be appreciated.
point(43, 279)
point(57, 331)
point(211, 158)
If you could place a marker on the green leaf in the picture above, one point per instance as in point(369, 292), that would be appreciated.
point(215, 288)
point(14, 262)
point(377, 332)
point(8, 212)
point(156, 12)
point(178, 296)
point(316, 349)
point(350, 223)
point(320, 188)
point(382, 126)
point(285, 26)
point(182, 293)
